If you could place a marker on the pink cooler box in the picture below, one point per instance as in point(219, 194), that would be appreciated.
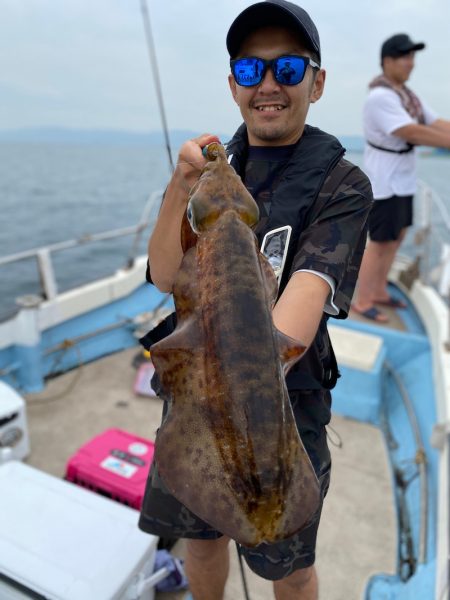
point(114, 464)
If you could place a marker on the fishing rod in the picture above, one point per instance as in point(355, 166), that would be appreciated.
point(154, 65)
point(241, 568)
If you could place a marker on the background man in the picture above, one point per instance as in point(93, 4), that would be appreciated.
point(298, 177)
point(394, 121)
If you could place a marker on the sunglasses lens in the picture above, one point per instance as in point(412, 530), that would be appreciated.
point(290, 70)
point(248, 71)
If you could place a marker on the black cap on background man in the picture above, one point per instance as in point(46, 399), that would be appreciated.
point(399, 45)
point(273, 13)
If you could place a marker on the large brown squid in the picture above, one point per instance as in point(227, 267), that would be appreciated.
point(229, 447)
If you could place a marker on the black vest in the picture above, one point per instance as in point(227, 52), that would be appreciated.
point(313, 158)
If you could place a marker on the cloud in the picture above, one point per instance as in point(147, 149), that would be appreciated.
point(89, 60)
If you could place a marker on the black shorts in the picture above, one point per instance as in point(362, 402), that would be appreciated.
point(389, 217)
point(163, 515)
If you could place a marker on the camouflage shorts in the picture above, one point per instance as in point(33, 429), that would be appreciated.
point(165, 516)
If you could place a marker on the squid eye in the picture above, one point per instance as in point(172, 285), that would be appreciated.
point(190, 217)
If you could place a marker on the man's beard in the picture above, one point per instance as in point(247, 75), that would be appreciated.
point(269, 133)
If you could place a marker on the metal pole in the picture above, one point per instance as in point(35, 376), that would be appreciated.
point(427, 243)
point(241, 566)
point(154, 65)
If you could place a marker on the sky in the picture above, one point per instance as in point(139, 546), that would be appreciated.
point(85, 64)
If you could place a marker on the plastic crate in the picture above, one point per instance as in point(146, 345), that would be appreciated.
point(114, 464)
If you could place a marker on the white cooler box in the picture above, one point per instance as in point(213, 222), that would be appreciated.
point(61, 542)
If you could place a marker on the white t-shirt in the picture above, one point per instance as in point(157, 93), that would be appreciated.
point(390, 174)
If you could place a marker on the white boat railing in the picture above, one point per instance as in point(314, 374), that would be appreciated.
point(432, 235)
point(432, 232)
point(43, 255)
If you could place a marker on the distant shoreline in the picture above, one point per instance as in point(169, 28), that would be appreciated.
point(53, 135)
point(92, 136)
point(61, 135)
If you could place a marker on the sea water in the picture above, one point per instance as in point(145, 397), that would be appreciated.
point(50, 193)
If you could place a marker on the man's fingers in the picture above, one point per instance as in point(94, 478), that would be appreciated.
point(191, 151)
point(191, 160)
point(201, 141)
point(205, 139)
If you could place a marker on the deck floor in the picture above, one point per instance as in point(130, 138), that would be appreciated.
point(357, 535)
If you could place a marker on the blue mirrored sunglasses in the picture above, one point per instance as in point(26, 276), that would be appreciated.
point(287, 70)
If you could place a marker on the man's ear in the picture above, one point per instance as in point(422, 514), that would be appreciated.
point(232, 84)
point(318, 86)
point(387, 62)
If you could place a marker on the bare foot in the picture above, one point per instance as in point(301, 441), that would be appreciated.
point(391, 302)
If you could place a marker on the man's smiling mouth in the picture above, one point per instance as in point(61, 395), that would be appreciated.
point(270, 108)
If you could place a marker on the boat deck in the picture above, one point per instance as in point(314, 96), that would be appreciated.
point(357, 536)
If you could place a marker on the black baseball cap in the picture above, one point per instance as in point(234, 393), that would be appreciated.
point(276, 13)
point(399, 45)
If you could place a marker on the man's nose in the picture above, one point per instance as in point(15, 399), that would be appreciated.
point(268, 82)
point(410, 59)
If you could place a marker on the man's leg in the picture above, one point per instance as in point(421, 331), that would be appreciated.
point(207, 564)
point(388, 223)
point(390, 252)
point(376, 264)
point(300, 585)
point(380, 256)
point(371, 277)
